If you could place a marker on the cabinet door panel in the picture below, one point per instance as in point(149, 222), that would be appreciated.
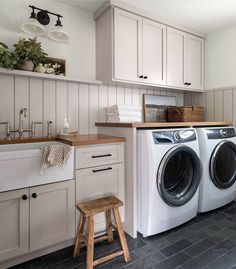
point(52, 214)
point(127, 46)
point(176, 57)
point(195, 62)
point(154, 52)
point(14, 224)
point(92, 183)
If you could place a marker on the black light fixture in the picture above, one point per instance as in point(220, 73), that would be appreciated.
point(37, 22)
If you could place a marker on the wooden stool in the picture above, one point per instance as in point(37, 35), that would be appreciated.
point(88, 210)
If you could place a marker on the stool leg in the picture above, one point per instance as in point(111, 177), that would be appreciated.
point(79, 232)
point(121, 234)
point(90, 243)
point(109, 226)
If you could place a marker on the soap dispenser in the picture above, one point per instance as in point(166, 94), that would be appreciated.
point(65, 127)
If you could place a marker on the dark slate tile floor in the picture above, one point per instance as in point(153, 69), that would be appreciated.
point(208, 241)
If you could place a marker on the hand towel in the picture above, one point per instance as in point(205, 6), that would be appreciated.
point(55, 156)
point(124, 119)
point(125, 114)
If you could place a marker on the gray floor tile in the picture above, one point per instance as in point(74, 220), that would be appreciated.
point(173, 262)
point(176, 247)
point(199, 247)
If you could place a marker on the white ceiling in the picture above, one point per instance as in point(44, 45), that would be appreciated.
point(203, 15)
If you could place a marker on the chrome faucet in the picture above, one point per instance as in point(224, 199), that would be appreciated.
point(23, 113)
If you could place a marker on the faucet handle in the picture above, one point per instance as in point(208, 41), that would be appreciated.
point(33, 129)
point(49, 123)
point(6, 123)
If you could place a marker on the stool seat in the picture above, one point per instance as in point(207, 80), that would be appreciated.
point(99, 205)
point(88, 210)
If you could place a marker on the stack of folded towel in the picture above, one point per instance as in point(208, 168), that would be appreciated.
point(124, 113)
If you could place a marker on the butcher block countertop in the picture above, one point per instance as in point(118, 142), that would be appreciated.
point(143, 125)
point(93, 139)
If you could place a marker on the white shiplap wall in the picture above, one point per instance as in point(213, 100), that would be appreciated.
point(53, 100)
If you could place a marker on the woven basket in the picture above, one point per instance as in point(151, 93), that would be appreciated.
point(185, 113)
point(156, 114)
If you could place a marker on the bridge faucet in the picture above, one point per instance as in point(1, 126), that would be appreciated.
point(23, 113)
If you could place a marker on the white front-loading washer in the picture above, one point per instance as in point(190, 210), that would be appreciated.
point(218, 156)
point(169, 172)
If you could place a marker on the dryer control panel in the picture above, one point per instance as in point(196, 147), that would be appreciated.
point(174, 137)
point(220, 133)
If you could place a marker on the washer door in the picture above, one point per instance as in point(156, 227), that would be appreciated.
point(223, 165)
point(179, 175)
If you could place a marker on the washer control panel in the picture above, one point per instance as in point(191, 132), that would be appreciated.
point(174, 137)
point(220, 133)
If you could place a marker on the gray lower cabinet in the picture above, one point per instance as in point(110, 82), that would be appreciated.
point(35, 218)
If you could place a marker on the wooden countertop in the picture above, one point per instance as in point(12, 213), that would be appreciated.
point(26, 140)
point(143, 125)
point(81, 140)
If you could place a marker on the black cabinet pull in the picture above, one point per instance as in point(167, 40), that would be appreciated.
point(24, 197)
point(185, 83)
point(34, 195)
point(189, 84)
point(141, 76)
point(145, 77)
point(101, 170)
point(101, 156)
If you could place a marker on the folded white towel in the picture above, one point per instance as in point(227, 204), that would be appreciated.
point(124, 119)
point(119, 108)
point(55, 156)
point(125, 114)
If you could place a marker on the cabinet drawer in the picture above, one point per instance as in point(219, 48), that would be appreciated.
point(92, 183)
point(99, 155)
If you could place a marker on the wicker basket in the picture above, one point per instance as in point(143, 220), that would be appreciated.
point(185, 113)
point(155, 114)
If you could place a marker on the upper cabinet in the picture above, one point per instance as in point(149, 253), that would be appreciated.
point(130, 48)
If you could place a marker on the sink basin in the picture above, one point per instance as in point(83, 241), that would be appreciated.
point(20, 166)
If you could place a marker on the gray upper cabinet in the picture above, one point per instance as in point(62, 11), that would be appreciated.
point(130, 48)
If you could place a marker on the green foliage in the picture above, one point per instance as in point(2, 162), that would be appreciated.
point(8, 58)
point(27, 50)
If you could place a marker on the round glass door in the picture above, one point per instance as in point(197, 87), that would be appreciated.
point(179, 175)
point(223, 165)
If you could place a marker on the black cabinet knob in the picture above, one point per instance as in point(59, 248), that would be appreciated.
point(189, 84)
point(24, 197)
point(140, 76)
point(145, 77)
point(185, 83)
point(34, 195)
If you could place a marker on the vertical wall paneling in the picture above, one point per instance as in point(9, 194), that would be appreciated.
point(111, 95)
point(49, 104)
point(128, 95)
point(219, 104)
point(228, 105)
point(21, 99)
point(188, 99)
point(6, 102)
point(83, 109)
point(73, 106)
point(210, 107)
point(93, 106)
point(36, 104)
point(120, 92)
point(53, 100)
point(102, 102)
point(136, 97)
point(61, 104)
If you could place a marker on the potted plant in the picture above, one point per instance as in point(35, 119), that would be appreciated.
point(8, 58)
point(29, 53)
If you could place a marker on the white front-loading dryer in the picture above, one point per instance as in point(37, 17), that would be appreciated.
point(169, 172)
point(218, 156)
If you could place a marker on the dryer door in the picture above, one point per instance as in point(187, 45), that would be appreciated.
point(223, 165)
point(179, 175)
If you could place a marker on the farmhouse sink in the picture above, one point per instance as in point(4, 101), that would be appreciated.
point(20, 166)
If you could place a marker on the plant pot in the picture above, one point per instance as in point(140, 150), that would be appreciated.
point(27, 66)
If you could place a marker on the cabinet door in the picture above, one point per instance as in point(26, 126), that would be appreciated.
point(127, 46)
point(195, 62)
point(52, 214)
point(92, 183)
point(14, 223)
point(154, 52)
point(176, 57)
